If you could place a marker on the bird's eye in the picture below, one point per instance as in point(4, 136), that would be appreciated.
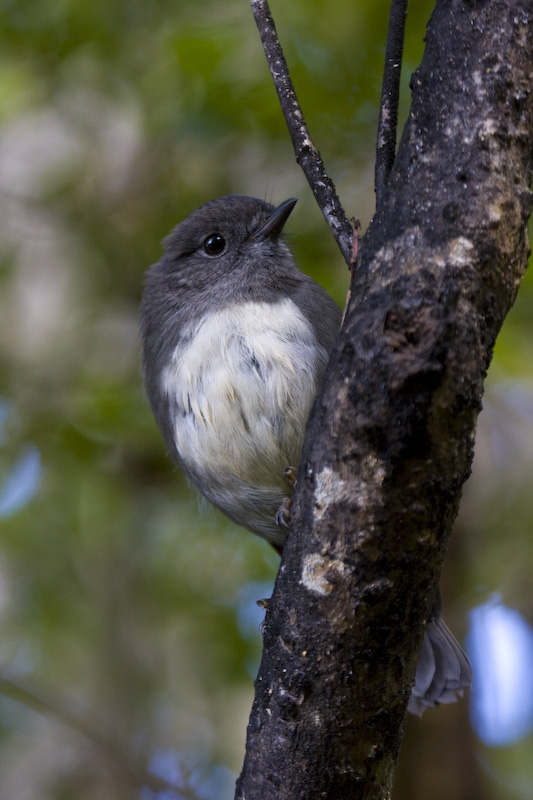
point(214, 244)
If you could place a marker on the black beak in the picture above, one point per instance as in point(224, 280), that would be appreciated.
point(274, 224)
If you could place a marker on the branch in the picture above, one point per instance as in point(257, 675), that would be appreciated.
point(390, 440)
point(390, 93)
point(306, 153)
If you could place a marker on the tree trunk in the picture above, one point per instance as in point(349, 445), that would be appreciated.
point(390, 439)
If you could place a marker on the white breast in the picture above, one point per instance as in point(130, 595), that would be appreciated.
point(240, 391)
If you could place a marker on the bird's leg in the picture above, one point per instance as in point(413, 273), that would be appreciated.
point(283, 514)
point(263, 603)
point(291, 473)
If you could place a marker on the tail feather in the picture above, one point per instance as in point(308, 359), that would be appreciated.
point(443, 669)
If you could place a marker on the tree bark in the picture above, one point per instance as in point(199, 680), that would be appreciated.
point(390, 439)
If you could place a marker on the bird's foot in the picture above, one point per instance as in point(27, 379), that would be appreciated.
point(291, 474)
point(283, 514)
point(263, 603)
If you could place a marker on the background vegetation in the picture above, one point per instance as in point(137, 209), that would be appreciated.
point(128, 627)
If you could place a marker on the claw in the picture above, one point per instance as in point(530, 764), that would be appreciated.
point(291, 473)
point(283, 514)
point(263, 603)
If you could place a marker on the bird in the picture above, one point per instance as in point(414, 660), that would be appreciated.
point(235, 343)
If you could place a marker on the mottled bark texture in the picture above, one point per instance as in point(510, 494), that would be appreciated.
point(390, 440)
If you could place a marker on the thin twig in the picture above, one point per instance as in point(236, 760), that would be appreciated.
point(390, 93)
point(306, 153)
point(353, 264)
point(115, 756)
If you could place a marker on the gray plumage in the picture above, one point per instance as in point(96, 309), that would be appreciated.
point(443, 668)
point(235, 344)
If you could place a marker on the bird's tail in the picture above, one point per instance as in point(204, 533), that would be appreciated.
point(443, 668)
